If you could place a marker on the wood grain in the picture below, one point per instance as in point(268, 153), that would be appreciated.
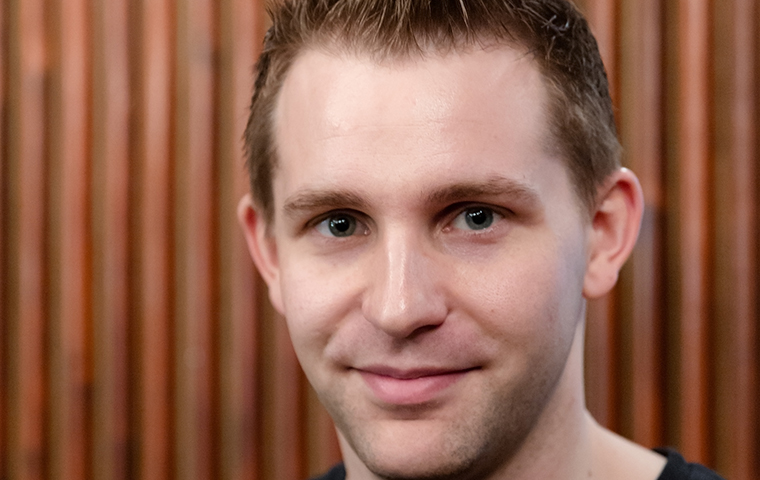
point(154, 263)
point(111, 182)
point(694, 229)
point(602, 387)
point(24, 315)
point(136, 340)
point(734, 196)
point(641, 304)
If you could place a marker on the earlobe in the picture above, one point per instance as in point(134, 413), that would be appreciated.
point(262, 247)
point(614, 230)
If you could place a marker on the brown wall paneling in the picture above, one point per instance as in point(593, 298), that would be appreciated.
point(601, 345)
point(195, 248)
point(755, 465)
point(110, 185)
point(640, 306)
point(24, 282)
point(152, 73)
point(4, 68)
point(136, 340)
point(321, 439)
point(735, 200)
point(603, 16)
point(240, 28)
point(691, 308)
point(600, 362)
point(282, 393)
point(71, 268)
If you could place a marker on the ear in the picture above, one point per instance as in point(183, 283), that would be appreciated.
point(262, 247)
point(614, 228)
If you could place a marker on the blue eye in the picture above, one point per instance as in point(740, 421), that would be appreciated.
point(338, 225)
point(476, 218)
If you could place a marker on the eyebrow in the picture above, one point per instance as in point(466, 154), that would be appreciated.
point(310, 201)
point(313, 200)
point(500, 186)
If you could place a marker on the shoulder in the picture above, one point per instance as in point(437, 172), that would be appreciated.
point(678, 469)
point(335, 473)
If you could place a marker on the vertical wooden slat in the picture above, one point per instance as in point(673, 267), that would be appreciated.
point(24, 272)
point(322, 442)
point(70, 379)
point(194, 211)
point(601, 361)
point(735, 197)
point(693, 234)
point(240, 25)
point(183, 401)
point(603, 17)
point(4, 68)
point(282, 447)
point(755, 465)
point(671, 287)
point(601, 345)
point(153, 118)
point(110, 214)
point(56, 422)
point(640, 284)
point(248, 285)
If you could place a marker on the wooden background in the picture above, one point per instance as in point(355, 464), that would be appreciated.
point(136, 341)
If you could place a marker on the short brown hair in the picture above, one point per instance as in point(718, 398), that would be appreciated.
point(552, 31)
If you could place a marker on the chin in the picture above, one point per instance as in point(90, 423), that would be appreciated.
point(463, 437)
point(421, 450)
point(421, 467)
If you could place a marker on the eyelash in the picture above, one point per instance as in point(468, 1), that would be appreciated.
point(449, 215)
point(357, 218)
point(459, 210)
point(475, 216)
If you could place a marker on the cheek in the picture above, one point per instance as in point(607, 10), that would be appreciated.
point(314, 297)
point(529, 299)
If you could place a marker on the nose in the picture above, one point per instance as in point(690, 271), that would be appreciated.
point(404, 295)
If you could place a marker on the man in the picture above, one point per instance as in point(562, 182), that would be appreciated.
point(436, 191)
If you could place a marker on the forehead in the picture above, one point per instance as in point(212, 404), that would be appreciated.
point(342, 87)
point(479, 112)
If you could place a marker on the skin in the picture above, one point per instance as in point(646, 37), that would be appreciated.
point(442, 348)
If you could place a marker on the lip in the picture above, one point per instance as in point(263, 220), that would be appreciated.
point(410, 387)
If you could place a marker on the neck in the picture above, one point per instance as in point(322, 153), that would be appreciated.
point(560, 445)
point(568, 444)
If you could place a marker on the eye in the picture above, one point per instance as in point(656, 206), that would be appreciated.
point(475, 218)
point(340, 225)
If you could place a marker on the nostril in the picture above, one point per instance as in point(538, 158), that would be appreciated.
point(415, 318)
point(422, 330)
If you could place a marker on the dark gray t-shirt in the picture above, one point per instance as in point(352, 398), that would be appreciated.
point(676, 469)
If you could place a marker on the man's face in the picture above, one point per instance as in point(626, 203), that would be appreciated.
point(428, 252)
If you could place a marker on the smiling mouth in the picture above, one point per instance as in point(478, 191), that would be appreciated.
point(411, 387)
